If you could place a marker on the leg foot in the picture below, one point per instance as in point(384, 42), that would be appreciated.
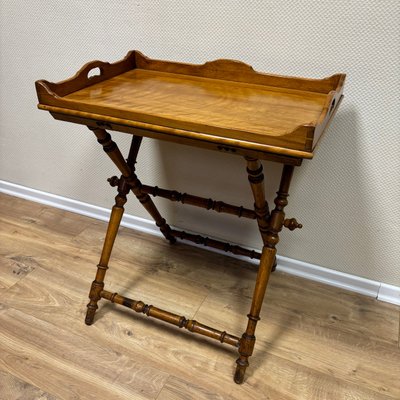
point(91, 310)
point(94, 297)
point(240, 371)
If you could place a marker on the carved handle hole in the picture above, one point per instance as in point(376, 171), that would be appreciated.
point(94, 72)
point(332, 107)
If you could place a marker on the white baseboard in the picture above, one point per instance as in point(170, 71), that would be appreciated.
point(329, 276)
point(379, 290)
point(389, 293)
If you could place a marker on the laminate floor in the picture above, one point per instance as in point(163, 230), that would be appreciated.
point(313, 341)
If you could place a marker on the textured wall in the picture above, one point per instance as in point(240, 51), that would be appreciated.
point(347, 197)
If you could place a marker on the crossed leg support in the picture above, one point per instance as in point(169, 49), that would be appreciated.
point(270, 224)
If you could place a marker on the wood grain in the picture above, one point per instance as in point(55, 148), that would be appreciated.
point(12, 388)
point(223, 101)
point(314, 341)
point(218, 107)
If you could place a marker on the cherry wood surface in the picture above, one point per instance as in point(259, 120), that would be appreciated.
point(222, 101)
point(232, 109)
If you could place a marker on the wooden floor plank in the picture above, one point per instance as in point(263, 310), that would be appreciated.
point(12, 388)
point(313, 342)
point(345, 347)
point(96, 367)
point(14, 268)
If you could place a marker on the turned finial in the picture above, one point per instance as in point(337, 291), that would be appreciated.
point(292, 224)
point(113, 181)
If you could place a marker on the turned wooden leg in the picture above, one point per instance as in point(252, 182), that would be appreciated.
point(117, 211)
point(148, 204)
point(112, 230)
point(144, 198)
point(269, 231)
point(248, 339)
point(256, 179)
point(127, 169)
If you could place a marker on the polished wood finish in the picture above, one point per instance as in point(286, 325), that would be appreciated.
point(258, 151)
point(171, 318)
point(112, 230)
point(129, 180)
point(320, 342)
point(224, 102)
point(223, 105)
point(209, 106)
point(216, 244)
point(270, 224)
point(112, 150)
point(269, 228)
point(134, 183)
point(185, 198)
point(261, 208)
point(208, 204)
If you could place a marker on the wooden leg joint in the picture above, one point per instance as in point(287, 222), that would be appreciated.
point(123, 186)
point(246, 348)
point(113, 181)
point(247, 343)
point(94, 296)
point(96, 288)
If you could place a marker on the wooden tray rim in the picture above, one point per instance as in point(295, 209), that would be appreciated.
point(51, 94)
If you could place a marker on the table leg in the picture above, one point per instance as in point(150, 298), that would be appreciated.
point(127, 182)
point(269, 229)
point(256, 179)
point(144, 198)
point(127, 169)
point(112, 230)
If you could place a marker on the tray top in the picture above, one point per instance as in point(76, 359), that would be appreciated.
point(224, 101)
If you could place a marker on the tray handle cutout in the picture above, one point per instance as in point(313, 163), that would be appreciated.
point(93, 72)
point(332, 107)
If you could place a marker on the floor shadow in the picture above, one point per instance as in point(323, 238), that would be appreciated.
point(187, 337)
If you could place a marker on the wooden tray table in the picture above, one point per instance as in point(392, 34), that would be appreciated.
point(222, 105)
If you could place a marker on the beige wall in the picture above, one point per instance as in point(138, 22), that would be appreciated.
point(347, 197)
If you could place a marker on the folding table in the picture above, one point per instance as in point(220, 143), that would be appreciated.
point(222, 105)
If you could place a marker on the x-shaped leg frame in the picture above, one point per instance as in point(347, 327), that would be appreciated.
point(269, 223)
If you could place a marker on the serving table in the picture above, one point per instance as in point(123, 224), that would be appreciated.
point(223, 105)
